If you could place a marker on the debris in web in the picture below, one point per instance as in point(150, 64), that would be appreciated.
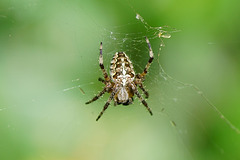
point(164, 32)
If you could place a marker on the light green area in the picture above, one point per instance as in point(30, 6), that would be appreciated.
point(45, 46)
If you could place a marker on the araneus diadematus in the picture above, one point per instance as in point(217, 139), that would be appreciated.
point(122, 83)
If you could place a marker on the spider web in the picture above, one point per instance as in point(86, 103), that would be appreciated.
point(178, 102)
point(43, 91)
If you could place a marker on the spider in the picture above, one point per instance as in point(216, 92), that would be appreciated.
point(123, 82)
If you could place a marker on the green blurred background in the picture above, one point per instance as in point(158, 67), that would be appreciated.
point(49, 46)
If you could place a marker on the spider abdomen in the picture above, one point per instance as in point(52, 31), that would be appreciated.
point(121, 68)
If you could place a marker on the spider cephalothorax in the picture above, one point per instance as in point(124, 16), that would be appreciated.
point(123, 82)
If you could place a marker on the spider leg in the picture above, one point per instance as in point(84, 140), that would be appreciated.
point(150, 59)
point(97, 96)
point(102, 66)
point(141, 99)
point(101, 80)
point(138, 81)
point(115, 100)
point(106, 104)
point(143, 89)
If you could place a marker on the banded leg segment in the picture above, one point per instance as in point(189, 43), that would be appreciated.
point(150, 59)
point(106, 104)
point(141, 99)
point(138, 81)
point(106, 77)
point(97, 96)
point(101, 80)
point(143, 89)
